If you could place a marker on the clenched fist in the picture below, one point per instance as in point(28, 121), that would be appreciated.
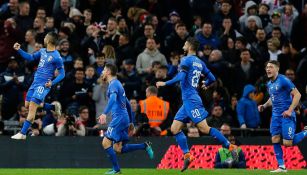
point(16, 46)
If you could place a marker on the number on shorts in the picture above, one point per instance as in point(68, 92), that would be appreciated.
point(195, 113)
point(195, 78)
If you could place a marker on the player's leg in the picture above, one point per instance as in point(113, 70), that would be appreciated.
point(54, 106)
point(107, 145)
point(204, 128)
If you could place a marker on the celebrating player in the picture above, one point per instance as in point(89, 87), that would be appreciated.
point(122, 121)
point(191, 68)
point(49, 60)
point(284, 97)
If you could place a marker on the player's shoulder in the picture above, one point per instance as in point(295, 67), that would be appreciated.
point(283, 78)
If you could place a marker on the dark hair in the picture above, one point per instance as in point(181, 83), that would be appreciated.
point(163, 67)
point(100, 54)
point(81, 108)
point(53, 38)
point(20, 105)
point(242, 40)
point(79, 69)
point(180, 24)
point(89, 66)
point(126, 36)
point(226, 1)
point(245, 50)
point(276, 63)
point(112, 68)
point(152, 89)
point(277, 28)
point(194, 43)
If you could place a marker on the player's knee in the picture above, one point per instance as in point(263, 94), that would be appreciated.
point(106, 144)
point(204, 130)
point(117, 149)
point(276, 139)
point(287, 143)
point(174, 130)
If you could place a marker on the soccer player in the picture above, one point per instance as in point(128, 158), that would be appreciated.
point(122, 121)
point(191, 68)
point(49, 61)
point(284, 97)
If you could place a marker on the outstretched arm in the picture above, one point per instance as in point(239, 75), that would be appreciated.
point(180, 76)
point(25, 55)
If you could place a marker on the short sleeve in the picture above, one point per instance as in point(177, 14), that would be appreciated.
point(288, 85)
point(184, 66)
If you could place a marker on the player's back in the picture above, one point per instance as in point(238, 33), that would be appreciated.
point(48, 63)
point(280, 94)
point(193, 67)
point(119, 109)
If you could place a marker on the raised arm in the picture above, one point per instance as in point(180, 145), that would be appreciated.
point(25, 55)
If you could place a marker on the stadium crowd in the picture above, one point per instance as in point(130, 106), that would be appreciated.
point(144, 38)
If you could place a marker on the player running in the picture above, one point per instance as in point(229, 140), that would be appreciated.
point(191, 68)
point(284, 97)
point(122, 121)
point(49, 60)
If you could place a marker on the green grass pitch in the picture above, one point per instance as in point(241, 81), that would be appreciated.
point(140, 172)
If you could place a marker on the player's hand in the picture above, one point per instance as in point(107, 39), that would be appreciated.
point(260, 108)
point(102, 119)
point(243, 126)
point(204, 87)
point(16, 46)
point(131, 130)
point(287, 113)
point(160, 84)
point(48, 84)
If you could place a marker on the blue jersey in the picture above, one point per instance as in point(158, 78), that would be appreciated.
point(280, 94)
point(119, 108)
point(48, 63)
point(194, 67)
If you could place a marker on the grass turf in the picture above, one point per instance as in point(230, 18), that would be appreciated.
point(139, 172)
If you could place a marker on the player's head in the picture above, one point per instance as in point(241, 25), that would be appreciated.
point(110, 70)
point(272, 68)
point(51, 39)
point(191, 45)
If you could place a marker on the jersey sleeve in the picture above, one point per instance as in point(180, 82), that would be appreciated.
point(288, 85)
point(184, 66)
point(59, 63)
point(113, 89)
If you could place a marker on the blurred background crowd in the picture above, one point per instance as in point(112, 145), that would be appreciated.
point(144, 38)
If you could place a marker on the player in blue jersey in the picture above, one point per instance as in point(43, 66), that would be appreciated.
point(284, 97)
point(121, 125)
point(49, 60)
point(191, 68)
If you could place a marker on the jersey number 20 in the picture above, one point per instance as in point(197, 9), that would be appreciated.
point(195, 78)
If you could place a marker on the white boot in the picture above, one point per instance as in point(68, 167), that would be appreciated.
point(19, 136)
point(279, 170)
point(57, 108)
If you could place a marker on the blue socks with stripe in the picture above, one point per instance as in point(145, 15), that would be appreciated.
point(219, 136)
point(299, 137)
point(182, 142)
point(279, 154)
point(132, 147)
point(113, 159)
point(26, 125)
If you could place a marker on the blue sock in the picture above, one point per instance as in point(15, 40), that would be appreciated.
point(279, 154)
point(25, 127)
point(219, 136)
point(182, 142)
point(112, 157)
point(299, 137)
point(132, 147)
point(49, 107)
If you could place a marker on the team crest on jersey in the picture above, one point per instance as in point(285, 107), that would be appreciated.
point(276, 87)
point(49, 58)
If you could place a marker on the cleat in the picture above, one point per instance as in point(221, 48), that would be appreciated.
point(279, 170)
point(57, 108)
point(149, 150)
point(19, 136)
point(113, 172)
point(232, 147)
point(188, 159)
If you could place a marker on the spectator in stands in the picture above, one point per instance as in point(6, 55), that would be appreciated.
point(39, 27)
point(109, 53)
point(175, 41)
point(78, 64)
point(245, 71)
point(173, 66)
point(298, 37)
point(232, 108)
point(90, 76)
point(100, 61)
point(12, 86)
point(157, 111)
point(206, 36)
point(169, 26)
point(50, 25)
point(141, 42)
point(259, 48)
point(23, 20)
point(100, 96)
point(111, 34)
point(247, 110)
point(226, 30)
point(130, 79)
point(252, 24)
point(230, 159)
point(193, 132)
point(67, 56)
point(9, 9)
point(225, 129)
point(263, 13)
point(142, 127)
point(273, 48)
point(225, 11)
point(288, 14)
point(149, 55)
point(22, 113)
point(217, 117)
point(124, 50)
point(249, 10)
point(276, 22)
point(62, 13)
point(30, 41)
point(82, 122)
point(41, 12)
point(75, 93)
point(88, 17)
